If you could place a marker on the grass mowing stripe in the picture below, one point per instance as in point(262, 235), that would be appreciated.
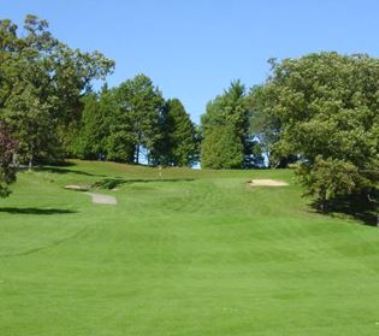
point(197, 254)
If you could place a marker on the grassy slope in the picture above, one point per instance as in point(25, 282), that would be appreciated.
point(207, 256)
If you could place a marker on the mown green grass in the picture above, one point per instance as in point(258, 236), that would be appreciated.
point(196, 253)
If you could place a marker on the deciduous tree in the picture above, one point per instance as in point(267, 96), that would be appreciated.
point(41, 84)
point(137, 119)
point(327, 106)
point(7, 170)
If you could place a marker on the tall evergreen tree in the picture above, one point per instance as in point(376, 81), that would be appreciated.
point(137, 120)
point(178, 145)
point(227, 112)
point(93, 135)
point(221, 148)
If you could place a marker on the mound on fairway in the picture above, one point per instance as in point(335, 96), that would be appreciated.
point(190, 253)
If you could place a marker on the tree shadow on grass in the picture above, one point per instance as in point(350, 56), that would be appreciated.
point(111, 183)
point(36, 211)
point(59, 170)
point(357, 207)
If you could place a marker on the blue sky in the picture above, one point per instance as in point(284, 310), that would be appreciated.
point(193, 49)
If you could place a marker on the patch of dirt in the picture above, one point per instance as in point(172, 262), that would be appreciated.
point(103, 199)
point(267, 183)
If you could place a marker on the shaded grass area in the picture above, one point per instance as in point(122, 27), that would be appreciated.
point(198, 254)
point(112, 183)
point(62, 170)
point(359, 207)
point(36, 211)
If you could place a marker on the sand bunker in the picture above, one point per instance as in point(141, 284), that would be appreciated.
point(77, 187)
point(103, 199)
point(267, 183)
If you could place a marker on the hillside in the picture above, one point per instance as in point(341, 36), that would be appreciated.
point(185, 253)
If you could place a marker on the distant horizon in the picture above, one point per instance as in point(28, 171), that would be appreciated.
point(192, 51)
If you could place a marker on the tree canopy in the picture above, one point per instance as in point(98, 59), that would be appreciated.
point(221, 148)
point(42, 81)
point(326, 108)
point(7, 170)
point(319, 110)
point(121, 123)
point(140, 106)
point(178, 145)
point(226, 113)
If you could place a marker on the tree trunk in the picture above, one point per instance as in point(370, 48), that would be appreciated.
point(31, 162)
point(323, 203)
point(137, 154)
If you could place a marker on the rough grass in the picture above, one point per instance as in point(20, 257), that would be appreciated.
point(194, 253)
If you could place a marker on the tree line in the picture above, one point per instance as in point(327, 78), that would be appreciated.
point(318, 112)
point(49, 110)
point(124, 122)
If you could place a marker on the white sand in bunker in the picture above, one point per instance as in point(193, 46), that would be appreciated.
point(77, 187)
point(267, 183)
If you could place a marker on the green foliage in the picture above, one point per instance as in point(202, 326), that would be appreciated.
point(93, 138)
point(221, 148)
point(88, 138)
point(254, 154)
point(120, 146)
point(119, 123)
point(229, 108)
point(41, 84)
point(178, 145)
point(108, 183)
point(7, 170)
point(326, 108)
point(136, 120)
point(227, 114)
point(332, 178)
point(47, 101)
point(263, 123)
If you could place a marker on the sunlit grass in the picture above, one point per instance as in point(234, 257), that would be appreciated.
point(185, 253)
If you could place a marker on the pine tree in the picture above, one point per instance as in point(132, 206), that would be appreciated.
point(226, 114)
point(221, 148)
point(178, 145)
